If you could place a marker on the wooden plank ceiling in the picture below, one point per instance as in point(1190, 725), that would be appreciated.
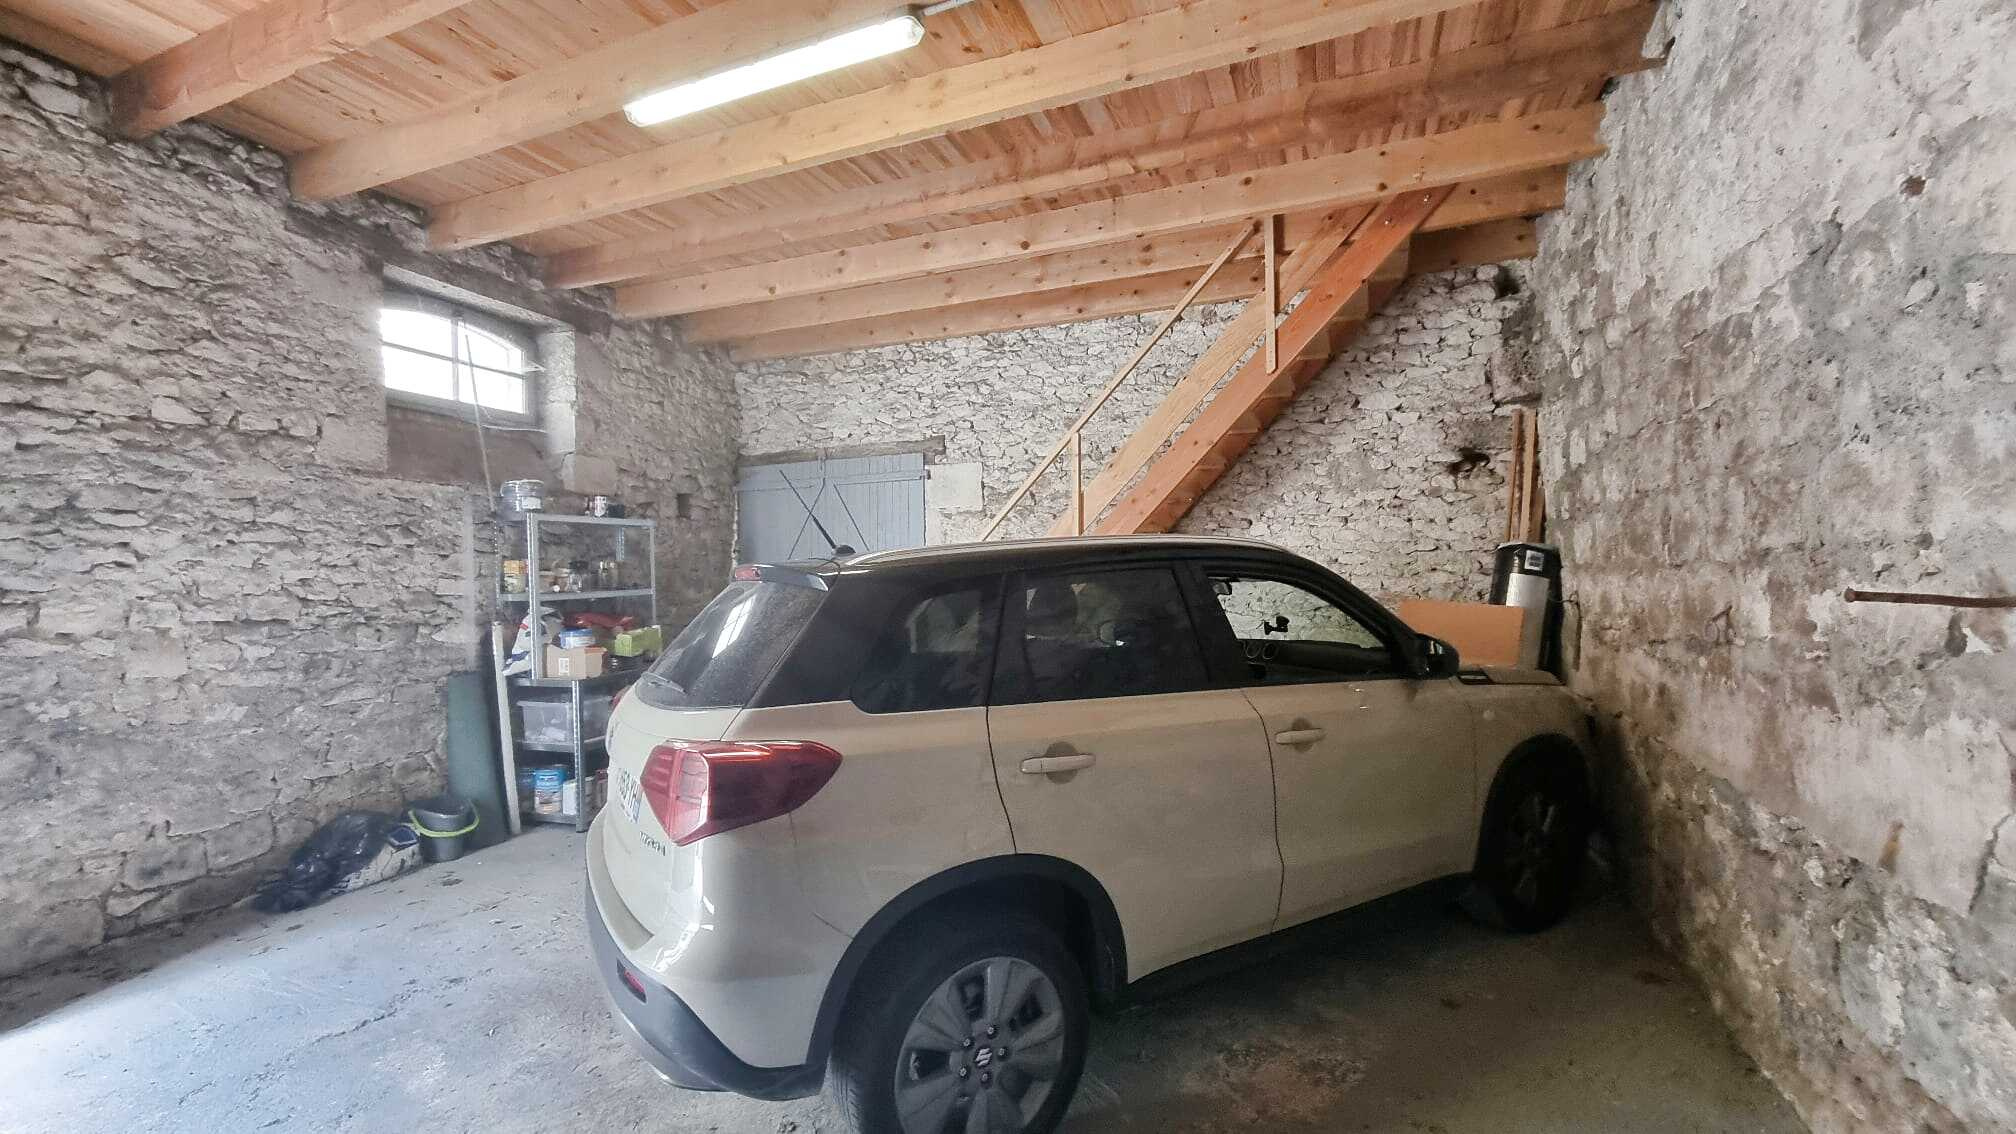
point(1031, 162)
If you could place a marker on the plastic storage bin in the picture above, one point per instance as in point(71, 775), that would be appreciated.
point(546, 722)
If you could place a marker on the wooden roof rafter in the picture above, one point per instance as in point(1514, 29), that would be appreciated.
point(1491, 242)
point(1476, 79)
point(577, 91)
point(253, 51)
point(1494, 199)
point(1167, 44)
point(997, 145)
point(1512, 146)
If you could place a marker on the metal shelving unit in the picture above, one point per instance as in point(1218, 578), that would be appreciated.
point(582, 747)
point(539, 599)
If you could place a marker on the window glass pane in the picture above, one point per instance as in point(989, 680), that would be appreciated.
point(418, 374)
point(486, 350)
point(1289, 633)
point(723, 655)
point(931, 658)
point(489, 373)
point(497, 391)
point(417, 329)
point(1108, 634)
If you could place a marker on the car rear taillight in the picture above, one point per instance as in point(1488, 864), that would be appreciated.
point(701, 788)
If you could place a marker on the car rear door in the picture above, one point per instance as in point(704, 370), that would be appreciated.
point(1113, 752)
point(1372, 766)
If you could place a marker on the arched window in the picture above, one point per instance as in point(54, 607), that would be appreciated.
point(437, 352)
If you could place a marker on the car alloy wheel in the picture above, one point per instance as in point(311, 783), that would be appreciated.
point(1536, 831)
point(1534, 846)
point(984, 1052)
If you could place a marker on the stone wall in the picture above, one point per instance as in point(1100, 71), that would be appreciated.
point(662, 416)
point(1773, 329)
point(1389, 467)
point(224, 620)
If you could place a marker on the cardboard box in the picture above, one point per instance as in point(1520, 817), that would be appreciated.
point(1483, 633)
point(575, 664)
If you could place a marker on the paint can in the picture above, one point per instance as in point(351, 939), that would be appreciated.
point(517, 497)
point(547, 785)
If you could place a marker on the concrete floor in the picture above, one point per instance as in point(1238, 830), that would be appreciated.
point(459, 998)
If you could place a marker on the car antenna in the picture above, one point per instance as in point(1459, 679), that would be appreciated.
point(838, 549)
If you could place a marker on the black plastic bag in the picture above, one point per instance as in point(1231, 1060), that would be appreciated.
point(353, 844)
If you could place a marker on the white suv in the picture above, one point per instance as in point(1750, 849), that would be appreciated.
point(907, 815)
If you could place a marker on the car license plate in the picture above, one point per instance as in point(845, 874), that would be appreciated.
point(631, 793)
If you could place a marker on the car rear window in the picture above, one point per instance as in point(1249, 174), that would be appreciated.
point(722, 657)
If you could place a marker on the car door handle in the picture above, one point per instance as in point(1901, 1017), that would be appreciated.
point(1045, 765)
point(1299, 736)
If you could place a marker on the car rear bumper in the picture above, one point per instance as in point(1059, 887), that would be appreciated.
point(673, 1039)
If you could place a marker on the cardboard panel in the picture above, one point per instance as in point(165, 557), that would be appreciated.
point(1483, 634)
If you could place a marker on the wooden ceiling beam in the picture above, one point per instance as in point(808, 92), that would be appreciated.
point(65, 43)
point(579, 90)
point(1474, 79)
point(1134, 53)
point(1493, 242)
point(1175, 252)
point(1361, 177)
point(252, 51)
point(1139, 295)
point(611, 263)
point(1519, 195)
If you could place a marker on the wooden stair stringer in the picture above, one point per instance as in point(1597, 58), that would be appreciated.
point(1238, 336)
point(1352, 285)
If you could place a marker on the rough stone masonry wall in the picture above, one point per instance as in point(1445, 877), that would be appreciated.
point(1776, 334)
point(221, 620)
point(1389, 467)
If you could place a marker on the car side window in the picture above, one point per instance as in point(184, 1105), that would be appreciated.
point(932, 656)
point(1124, 633)
point(1289, 633)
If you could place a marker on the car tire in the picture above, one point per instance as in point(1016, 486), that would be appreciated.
point(1534, 842)
point(888, 1075)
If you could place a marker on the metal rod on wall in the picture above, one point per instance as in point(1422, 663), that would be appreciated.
point(1922, 598)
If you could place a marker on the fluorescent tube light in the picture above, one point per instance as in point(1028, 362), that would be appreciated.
point(829, 54)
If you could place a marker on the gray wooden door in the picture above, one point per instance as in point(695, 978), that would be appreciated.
point(867, 503)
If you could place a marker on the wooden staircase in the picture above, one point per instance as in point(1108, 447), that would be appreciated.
point(1350, 270)
point(1354, 259)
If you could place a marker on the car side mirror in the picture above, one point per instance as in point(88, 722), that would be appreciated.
point(1436, 658)
point(1278, 626)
